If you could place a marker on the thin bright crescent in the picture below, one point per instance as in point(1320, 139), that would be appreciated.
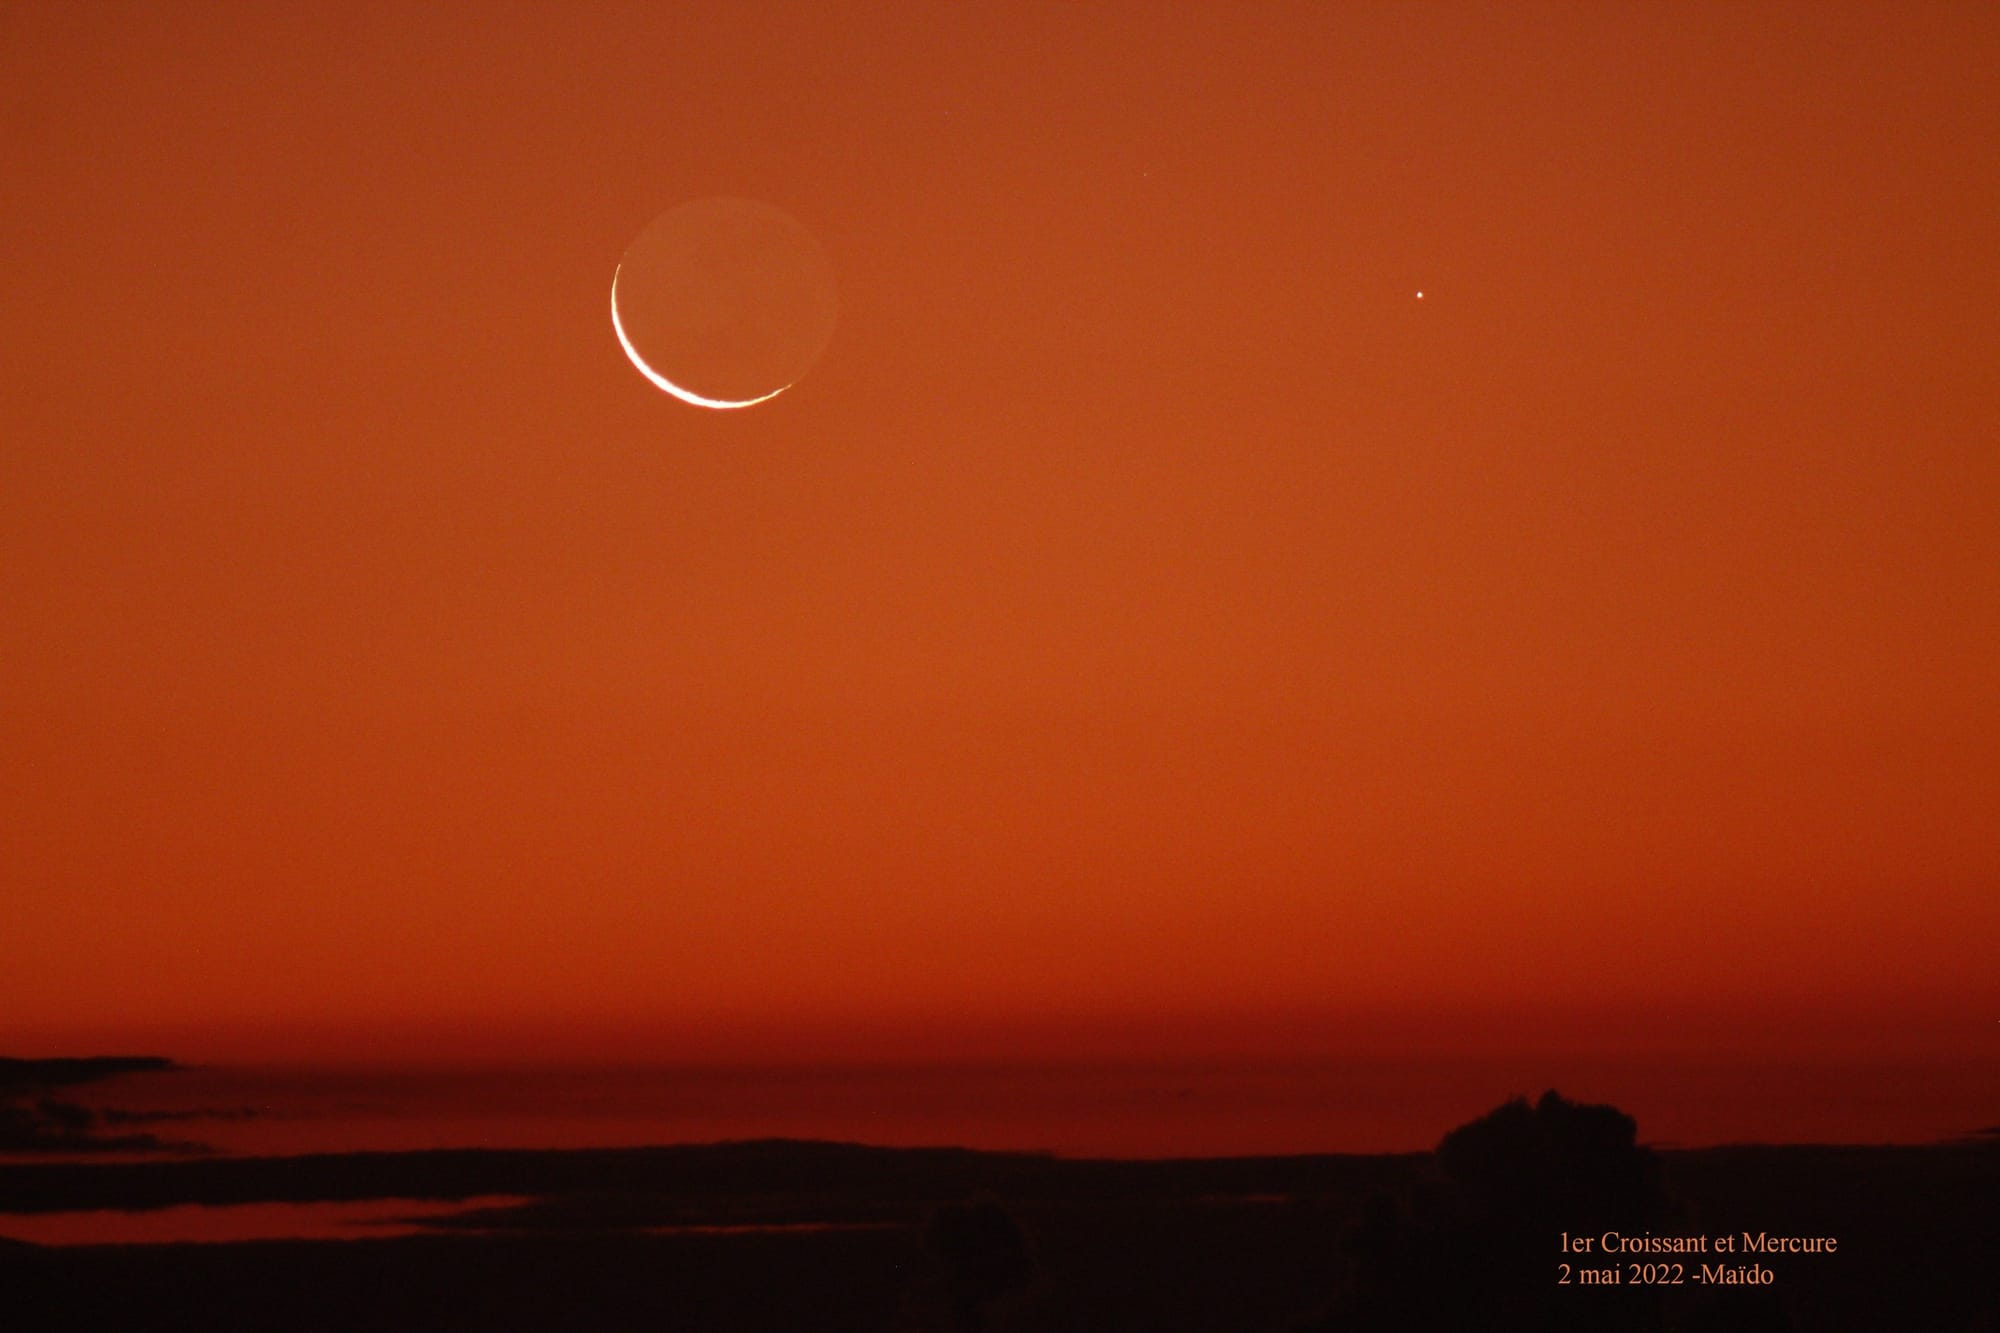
point(721, 404)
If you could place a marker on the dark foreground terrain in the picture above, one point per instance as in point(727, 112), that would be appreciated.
point(1466, 1238)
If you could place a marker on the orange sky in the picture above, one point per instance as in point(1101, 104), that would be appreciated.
point(1149, 623)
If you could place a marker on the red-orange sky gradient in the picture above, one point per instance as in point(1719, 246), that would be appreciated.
point(1149, 627)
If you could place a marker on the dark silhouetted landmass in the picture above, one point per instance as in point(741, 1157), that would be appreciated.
point(767, 1180)
point(953, 1241)
point(1475, 1247)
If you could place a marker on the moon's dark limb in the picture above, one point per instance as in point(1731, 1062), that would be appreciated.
point(724, 302)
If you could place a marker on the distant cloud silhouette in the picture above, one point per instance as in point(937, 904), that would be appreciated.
point(22, 1076)
point(34, 1120)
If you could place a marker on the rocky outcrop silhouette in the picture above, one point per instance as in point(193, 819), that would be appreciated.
point(1478, 1245)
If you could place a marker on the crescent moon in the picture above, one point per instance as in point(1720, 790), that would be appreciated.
point(686, 396)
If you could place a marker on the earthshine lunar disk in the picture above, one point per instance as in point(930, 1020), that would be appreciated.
point(723, 303)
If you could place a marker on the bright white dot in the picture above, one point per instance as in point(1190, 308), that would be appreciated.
point(1420, 296)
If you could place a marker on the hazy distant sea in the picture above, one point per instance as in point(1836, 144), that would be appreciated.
point(1117, 1111)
